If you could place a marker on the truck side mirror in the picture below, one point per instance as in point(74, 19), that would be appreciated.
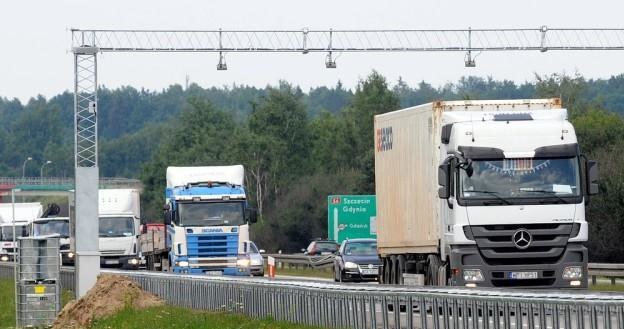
point(592, 177)
point(168, 217)
point(251, 215)
point(444, 191)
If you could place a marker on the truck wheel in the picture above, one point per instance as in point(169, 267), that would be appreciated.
point(400, 268)
point(383, 275)
point(149, 263)
point(164, 264)
point(393, 269)
point(433, 266)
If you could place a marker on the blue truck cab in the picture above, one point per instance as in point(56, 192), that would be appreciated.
point(207, 220)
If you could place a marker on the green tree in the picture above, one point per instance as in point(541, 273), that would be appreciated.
point(304, 214)
point(201, 138)
point(280, 120)
point(372, 97)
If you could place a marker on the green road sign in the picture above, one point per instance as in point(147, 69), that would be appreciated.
point(351, 216)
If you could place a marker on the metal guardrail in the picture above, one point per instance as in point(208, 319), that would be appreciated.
point(379, 306)
point(67, 181)
point(296, 260)
point(611, 271)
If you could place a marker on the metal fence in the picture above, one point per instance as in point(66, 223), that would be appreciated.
point(379, 306)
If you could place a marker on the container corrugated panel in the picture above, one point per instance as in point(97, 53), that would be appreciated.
point(406, 161)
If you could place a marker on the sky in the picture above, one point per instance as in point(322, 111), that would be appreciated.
point(35, 55)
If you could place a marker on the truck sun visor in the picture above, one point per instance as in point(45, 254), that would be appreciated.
point(513, 117)
point(556, 151)
point(475, 152)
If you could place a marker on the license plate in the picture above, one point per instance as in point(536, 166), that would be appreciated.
point(213, 273)
point(373, 271)
point(111, 262)
point(522, 275)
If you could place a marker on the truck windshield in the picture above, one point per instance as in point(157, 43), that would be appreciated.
point(60, 227)
point(211, 214)
point(116, 227)
point(544, 179)
point(6, 234)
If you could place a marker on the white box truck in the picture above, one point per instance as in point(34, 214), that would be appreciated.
point(25, 213)
point(482, 193)
point(119, 219)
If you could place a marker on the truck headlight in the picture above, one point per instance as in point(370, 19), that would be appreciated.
point(242, 262)
point(4, 258)
point(572, 272)
point(70, 254)
point(135, 261)
point(183, 263)
point(351, 265)
point(256, 262)
point(473, 275)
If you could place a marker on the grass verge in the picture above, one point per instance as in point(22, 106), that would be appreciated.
point(7, 304)
point(606, 287)
point(175, 317)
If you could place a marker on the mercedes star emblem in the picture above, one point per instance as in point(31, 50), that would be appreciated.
point(522, 238)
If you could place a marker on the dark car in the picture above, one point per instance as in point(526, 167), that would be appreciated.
point(321, 247)
point(357, 260)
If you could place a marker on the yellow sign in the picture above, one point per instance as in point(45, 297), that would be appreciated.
point(39, 290)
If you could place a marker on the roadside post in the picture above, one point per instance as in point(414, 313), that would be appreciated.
point(271, 263)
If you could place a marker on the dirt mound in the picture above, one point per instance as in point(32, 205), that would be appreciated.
point(111, 294)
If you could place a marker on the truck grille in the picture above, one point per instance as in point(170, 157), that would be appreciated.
point(212, 245)
point(495, 242)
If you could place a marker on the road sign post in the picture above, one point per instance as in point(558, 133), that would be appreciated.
point(351, 216)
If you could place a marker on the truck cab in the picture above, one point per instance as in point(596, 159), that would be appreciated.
point(207, 220)
point(514, 188)
point(119, 222)
point(55, 226)
point(7, 247)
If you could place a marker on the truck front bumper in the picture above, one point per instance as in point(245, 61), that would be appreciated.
point(230, 271)
point(544, 274)
point(130, 262)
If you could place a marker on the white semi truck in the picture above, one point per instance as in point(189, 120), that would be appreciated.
point(482, 193)
point(119, 220)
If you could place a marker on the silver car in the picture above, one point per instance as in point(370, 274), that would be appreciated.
point(256, 262)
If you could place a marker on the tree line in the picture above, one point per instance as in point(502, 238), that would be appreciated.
point(297, 147)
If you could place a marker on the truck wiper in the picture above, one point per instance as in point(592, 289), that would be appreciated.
point(553, 193)
point(493, 194)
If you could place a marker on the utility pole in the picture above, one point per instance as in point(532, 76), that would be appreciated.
point(86, 163)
